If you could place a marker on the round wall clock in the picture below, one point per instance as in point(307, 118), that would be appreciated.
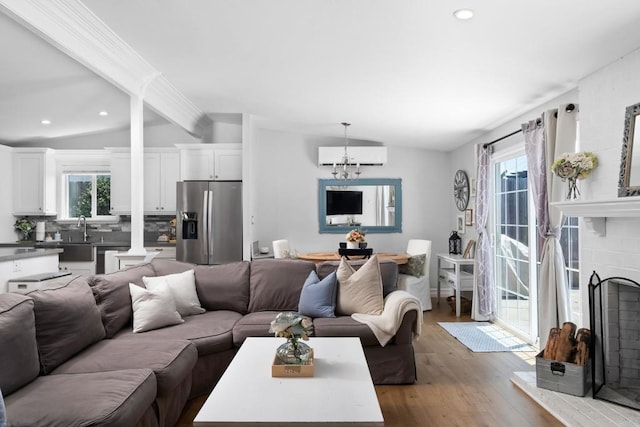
point(461, 190)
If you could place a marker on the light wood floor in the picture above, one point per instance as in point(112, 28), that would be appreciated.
point(455, 386)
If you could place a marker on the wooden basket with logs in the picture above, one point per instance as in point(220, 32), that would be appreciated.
point(566, 345)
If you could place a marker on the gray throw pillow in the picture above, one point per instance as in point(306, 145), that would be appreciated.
point(318, 297)
point(19, 363)
point(67, 321)
point(111, 292)
point(414, 266)
point(219, 287)
point(275, 284)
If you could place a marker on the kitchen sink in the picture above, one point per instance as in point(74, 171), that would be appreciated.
point(76, 252)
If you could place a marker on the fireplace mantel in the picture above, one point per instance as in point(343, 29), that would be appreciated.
point(596, 212)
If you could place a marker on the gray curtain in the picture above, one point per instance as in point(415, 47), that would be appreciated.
point(484, 301)
point(545, 139)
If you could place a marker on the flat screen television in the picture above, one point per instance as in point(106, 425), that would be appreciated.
point(341, 202)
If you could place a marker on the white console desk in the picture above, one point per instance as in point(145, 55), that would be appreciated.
point(451, 275)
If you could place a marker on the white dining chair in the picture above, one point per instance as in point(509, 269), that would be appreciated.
point(419, 287)
point(281, 249)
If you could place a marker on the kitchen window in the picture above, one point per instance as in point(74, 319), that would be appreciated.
point(87, 194)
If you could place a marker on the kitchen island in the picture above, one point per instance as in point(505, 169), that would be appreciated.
point(20, 262)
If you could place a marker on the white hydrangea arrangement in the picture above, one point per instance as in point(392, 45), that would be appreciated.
point(574, 166)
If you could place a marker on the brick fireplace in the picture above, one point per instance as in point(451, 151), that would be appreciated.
point(614, 305)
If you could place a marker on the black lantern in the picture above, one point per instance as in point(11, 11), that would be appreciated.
point(455, 243)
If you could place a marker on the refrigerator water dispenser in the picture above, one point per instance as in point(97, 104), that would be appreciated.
point(189, 225)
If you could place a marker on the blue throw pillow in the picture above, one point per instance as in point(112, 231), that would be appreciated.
point(318, 297)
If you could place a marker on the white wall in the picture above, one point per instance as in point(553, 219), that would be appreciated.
point(286, 194)
point(7, 232)
point(603, 97)
point(464, 157)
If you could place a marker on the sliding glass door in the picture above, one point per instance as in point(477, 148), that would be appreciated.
point(515, 246)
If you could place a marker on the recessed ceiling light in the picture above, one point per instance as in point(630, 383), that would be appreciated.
point(463, 14)
point(45, 122)
point(103, 113)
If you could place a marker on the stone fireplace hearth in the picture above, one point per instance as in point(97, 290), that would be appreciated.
point(574, 410)
point(614, 305)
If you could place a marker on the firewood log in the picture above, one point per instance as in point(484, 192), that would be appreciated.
point(583, 338)
point(552, 343)
point(566, 342)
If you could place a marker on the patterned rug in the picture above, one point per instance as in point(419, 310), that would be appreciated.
point(483, 337)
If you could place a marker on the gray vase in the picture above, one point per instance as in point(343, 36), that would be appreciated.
point(294, 352)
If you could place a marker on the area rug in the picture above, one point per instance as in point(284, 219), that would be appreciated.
point(484, 337)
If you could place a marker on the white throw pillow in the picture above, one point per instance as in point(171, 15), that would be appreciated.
point(360, 291)
point(153, 309)
point(183, 288)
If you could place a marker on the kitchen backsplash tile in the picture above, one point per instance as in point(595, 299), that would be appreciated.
point(154, 226)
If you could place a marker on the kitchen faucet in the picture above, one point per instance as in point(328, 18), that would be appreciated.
point(83, 220)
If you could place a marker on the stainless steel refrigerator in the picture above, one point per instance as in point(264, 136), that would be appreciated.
point(209, 222)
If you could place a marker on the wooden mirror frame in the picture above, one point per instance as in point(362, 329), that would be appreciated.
point(624, 187)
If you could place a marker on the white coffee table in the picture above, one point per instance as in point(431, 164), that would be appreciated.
point(341, 392)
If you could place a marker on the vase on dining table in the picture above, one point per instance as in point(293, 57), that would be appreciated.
point(353, 245)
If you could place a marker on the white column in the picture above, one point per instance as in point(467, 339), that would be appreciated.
point(248, 202)
point(137, 176)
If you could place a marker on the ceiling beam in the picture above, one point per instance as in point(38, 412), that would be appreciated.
point(75, 30)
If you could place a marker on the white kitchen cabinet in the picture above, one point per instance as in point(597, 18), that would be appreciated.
point(120, 182)
point(83, 268)
point(164, 252)
point(217, 162)
point(227, 165)
point(18, 268)
point(161, 172)
point(34, 177)
point(196, 164)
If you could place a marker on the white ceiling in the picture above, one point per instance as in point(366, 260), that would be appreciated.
point(39, 82)
point(403, 72)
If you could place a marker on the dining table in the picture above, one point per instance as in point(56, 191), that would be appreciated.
point(317, 257)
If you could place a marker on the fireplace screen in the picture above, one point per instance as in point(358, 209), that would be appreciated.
point(614, 308)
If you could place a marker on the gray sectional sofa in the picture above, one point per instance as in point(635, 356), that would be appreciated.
point(69, 356)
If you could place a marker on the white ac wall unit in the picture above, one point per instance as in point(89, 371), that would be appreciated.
point(366, 156)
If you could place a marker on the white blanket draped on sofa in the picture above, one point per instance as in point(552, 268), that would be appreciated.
point(384, 326)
